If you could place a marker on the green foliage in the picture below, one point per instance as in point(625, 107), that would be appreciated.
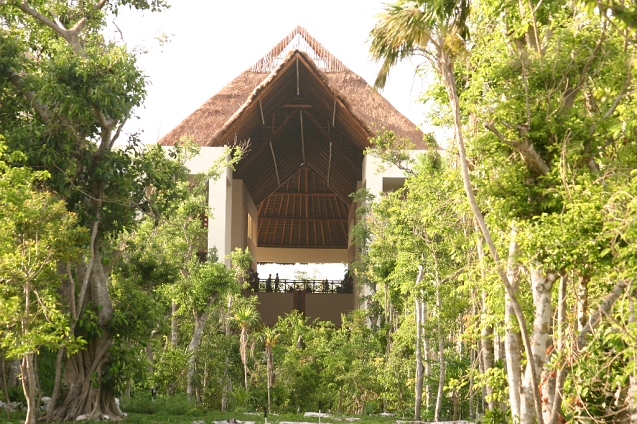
point(160, 405)
point(36, 232)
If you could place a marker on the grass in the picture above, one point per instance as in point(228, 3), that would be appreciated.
point(208, 417)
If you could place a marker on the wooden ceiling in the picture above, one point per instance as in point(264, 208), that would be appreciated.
point(305, 158)
point(303, 212)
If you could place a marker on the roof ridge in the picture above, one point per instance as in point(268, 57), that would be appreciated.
point(323, 59)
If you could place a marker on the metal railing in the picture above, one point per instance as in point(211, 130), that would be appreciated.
point(309, 286)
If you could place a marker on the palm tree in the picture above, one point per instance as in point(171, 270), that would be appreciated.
point(437, 31)
point(270, 337)
point(246, 316)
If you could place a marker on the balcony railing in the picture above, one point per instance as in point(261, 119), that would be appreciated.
point(309, 286)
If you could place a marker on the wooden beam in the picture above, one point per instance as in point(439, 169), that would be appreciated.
point(329, 166)
point(292, 106)
point(283, 218)
point(298, 93)
point(307, 210)
point(261, 109)
point(276, 170)
point(283, 234)
point(288, 194)
point(334, 113)
point(302, 140)
point(322, 233)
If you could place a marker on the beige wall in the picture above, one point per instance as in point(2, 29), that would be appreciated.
point(322, 306)
point(243, 207)
point(292, 256)
point(273, 305)
point(328, 306)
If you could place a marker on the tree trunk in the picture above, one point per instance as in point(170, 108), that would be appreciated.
point(5, 385)
point(227, 382)
point(541, 286)
point(446, 65)
point(56, 384)
point(486, 333)
point(200, 322)
point(174, 325)
point(441, 357)
point(512, 342)
point(29, 386)
point(555, 403)
point(419, 366)
point(426, 358)
point(582, 303)
point(243, 342)
point(87, 395)
point(270, 365)
point(632, 387)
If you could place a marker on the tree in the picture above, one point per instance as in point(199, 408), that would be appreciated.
point(66, 95)
point(424, 225)
point(544, 142)
point(438, 29)
point(270, 337)
point(36, 232)
point(245, 315)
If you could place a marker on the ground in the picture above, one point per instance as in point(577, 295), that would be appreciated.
point(210, 417)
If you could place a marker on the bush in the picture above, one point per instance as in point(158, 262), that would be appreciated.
point(168, 405)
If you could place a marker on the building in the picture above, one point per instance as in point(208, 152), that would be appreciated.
point(308, 119)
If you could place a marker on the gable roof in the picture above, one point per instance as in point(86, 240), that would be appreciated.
point(209, 124)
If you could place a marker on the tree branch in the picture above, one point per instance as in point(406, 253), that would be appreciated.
point(42, 110)
point(88, 271)
point(530, 156)
point(604, 309)
point(569, 97)
point(71, 36)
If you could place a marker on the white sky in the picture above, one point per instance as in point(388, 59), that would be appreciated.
point(213, 41)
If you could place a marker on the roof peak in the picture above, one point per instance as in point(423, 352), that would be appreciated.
point(301, 40)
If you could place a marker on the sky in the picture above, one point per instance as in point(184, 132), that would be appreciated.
point(192, 50)
point(196, 47)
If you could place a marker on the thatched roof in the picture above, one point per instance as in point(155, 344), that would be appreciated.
point(210, 124)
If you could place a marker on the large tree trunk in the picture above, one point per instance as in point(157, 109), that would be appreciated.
point(87, 394)
point(59, 359)
point(512, 342)
point(541, 286)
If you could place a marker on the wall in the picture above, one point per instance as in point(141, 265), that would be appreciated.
point(292, 256)
point(219, 198)
point(328, 306)
point(273, 305)
point(243, 208)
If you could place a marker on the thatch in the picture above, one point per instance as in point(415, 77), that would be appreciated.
point(207, 124)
